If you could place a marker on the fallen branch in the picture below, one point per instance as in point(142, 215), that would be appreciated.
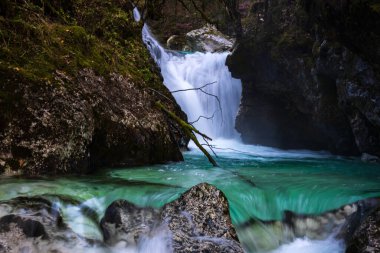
point(190, 131)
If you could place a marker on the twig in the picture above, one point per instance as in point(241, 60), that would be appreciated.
point(203, 117)
point(197, 88)
point(205, 92)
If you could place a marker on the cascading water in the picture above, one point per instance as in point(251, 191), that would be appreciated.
point(259, 182)
point(136, 14)
point(213, 109)
point(218, 100)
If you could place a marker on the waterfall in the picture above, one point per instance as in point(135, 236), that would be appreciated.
point(219, 99)
point(136, 14)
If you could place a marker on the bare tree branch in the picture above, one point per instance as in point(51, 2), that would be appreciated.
point(203, 117)
point(197, 88)
point(205, 92)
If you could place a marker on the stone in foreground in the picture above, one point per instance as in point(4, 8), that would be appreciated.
point(198, 221)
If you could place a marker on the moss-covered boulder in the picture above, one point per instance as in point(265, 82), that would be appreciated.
point(78, 89)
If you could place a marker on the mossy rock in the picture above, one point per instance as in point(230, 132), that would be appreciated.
point(73, 73)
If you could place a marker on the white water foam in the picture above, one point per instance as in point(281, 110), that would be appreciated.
point(184, 72)
point(305, 245)
point(221, 92)
point(231, 148)
point(136, 14)
point(189, 71)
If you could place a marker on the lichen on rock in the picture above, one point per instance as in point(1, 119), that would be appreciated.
point(198, 221)
point(76, 90)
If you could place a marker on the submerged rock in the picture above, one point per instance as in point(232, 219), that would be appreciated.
point(198, 221)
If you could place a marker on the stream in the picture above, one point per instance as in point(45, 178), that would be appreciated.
point(259, 182)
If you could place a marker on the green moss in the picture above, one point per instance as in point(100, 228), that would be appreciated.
point(96, 34)
point(375, 7)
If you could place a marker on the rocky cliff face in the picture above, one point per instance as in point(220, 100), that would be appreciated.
point(78, 90)
point(310, 73)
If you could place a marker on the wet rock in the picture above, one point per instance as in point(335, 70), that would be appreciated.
point(370, 158)
point(177, 42)
point(366, 238)
point(198, 221)
point(123, 221)
point(208, 39)
point(34, 224)
point(341, 222)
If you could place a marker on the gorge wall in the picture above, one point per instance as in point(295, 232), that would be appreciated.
point(310, 73)
point(78, 90)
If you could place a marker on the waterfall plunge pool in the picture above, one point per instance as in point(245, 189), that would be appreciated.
point(260, 182)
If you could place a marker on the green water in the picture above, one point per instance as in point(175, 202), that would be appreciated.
point(257, 183)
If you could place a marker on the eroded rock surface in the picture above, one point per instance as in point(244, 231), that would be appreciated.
point(208, 39)
point(124, 221)
point(198, 221)
point(366, 238)
point(82, 94)
point(33, 225)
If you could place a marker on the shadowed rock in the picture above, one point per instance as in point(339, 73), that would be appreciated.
point(123, 221)
point(35, 225)
point(310, 76)
point(366, 238)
